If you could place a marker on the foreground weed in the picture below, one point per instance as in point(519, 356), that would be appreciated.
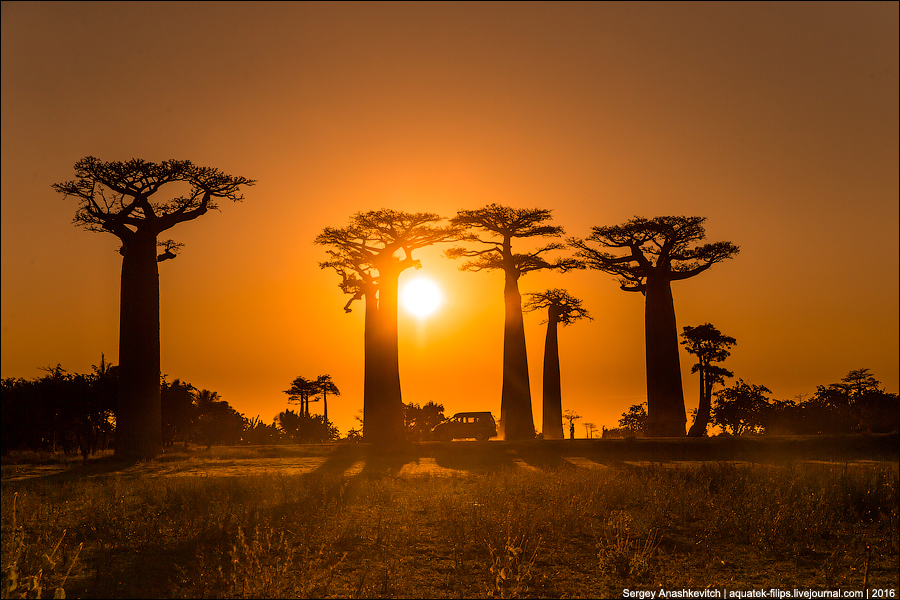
point(512, 570)
point(623, 556)
point(15, 584)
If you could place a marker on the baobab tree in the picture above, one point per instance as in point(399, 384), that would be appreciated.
point(500, 225)
point(370, 254)
point(120, 198)
point(561, 308)
point(709, 345)
point(326, 386)
point(571, 416)
point(301, 392)
point(658, 252)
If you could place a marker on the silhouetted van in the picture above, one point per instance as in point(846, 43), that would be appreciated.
point(478, 425)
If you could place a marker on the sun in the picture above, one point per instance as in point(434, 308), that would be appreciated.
point(421, 297)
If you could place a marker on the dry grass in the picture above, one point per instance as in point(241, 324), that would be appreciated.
point(487, 520)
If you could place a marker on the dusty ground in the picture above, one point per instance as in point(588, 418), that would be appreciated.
point(438, 459)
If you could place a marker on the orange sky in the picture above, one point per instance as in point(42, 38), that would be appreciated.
point(778, 122)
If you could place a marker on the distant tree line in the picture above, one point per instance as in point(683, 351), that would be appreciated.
point(72, 412)
point(857, 404)
point(63, 411)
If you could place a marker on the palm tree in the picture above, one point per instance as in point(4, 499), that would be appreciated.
point(561, 308)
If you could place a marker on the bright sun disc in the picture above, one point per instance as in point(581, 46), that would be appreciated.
point(421, 297)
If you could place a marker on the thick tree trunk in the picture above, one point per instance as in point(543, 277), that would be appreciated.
point(388, 305)
point(383, 404)
point(552, 420)
point(665, 397)
point(516, 418)
point(138, 414)
point(698, 429)
point(371, 414)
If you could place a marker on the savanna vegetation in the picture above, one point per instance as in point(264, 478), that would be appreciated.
point(533, 519)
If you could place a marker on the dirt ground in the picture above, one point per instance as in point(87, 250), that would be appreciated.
point(443, 459)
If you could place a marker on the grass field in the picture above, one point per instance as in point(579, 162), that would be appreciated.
point(465, 519)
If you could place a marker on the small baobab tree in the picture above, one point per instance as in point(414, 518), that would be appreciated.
point(709, 345)
point(326, 386)
point(657, 252)
point(563, 308)
point(370, 254)
point(499, 226)
point(571, 416)
point(123, 198)
point(302, 392)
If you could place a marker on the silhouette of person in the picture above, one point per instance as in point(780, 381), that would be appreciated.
point(572, 430)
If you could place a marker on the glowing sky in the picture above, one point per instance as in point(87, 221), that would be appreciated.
point(778, 122)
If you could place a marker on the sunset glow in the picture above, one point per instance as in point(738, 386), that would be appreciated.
point(777, 122)
point(421, 297)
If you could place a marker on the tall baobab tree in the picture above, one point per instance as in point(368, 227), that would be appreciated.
point(499, 226)
point(121, 198)
point(709, 345)
point(370, 254)
point(561, 308)
point(657, 252)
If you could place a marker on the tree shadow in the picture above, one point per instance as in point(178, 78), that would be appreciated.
point(477, 457)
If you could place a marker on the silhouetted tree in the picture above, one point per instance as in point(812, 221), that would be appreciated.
point(306, 429)
point(60, 410)
point(709, 345)
point(420, 420)
point(303, 391)
point(571, 416)
point(258, 432)
point(119, 198)
point(634, 422)
point(217, 422)
point(500, 226)
point(561, 308)
point(741, 408)
point(326, 386)
point(179, 412)
point(289, 424)
point(658, 253)
point(859, 382)
point(370, 254)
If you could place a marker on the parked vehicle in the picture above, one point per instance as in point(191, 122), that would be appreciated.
point(478, 425)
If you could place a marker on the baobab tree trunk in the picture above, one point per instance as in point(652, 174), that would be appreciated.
point(552, 420)
point(382, 404)
point(665, 397)
point(138, 413)
point(371, 414)
point(516, 418)
point(392, 400)
point(698, 429)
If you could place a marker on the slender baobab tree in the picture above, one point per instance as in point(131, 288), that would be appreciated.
point(326, 386)
point(499, 226)
point(121, 198)
point(370, 254)
point(709, 345)
point(561, 308)
point(657, 252)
